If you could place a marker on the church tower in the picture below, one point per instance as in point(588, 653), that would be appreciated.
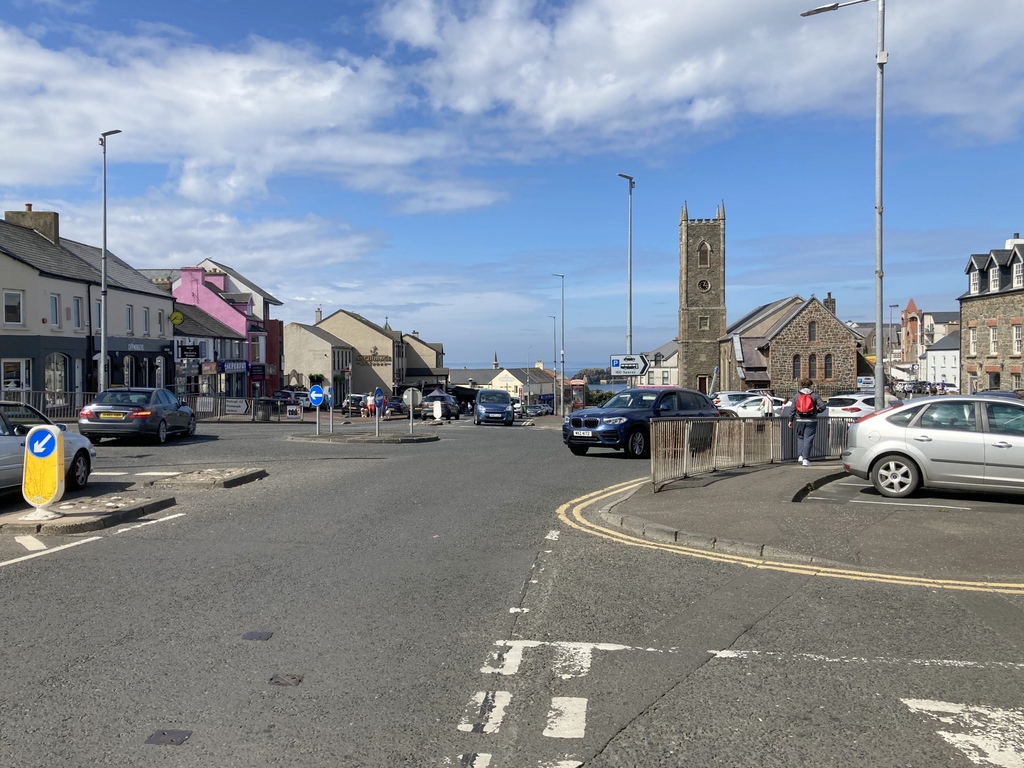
point(701, 298)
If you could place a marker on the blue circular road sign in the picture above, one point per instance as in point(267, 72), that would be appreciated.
point(316, 395)
point(378, 399)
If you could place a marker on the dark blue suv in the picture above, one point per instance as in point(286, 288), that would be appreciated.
point(623, 423)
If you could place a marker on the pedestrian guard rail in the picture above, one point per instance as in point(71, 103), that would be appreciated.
point(686, 447)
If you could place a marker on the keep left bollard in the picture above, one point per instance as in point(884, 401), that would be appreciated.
point(43, 478)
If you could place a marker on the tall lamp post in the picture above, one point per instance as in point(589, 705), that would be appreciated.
point(526, 400)
point(554, 355)
point(629, 267)
point(561, 384)
point(103, 380)
point(881, 57)
point(891, 308)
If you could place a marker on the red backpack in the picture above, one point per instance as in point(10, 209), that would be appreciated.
point(805, 405)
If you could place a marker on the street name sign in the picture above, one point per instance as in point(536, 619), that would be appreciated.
point(629, 365)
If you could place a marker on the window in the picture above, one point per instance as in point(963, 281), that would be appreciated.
point(1005, 419)
point(703, 323)
point(160, 322)
point(812, 367)
point(129, 371)
point(796, 366)
point(55, 377)
point(993, 279)
point(993, 339)
point(145, 321)
point(129, 320)
point(954, 416)
point(812, 331)
point(55, 310)
point(1016, 339)
point(703, 255)
point(975, 281)
point(828, 366)
point(1018, 274)
point(76, 312)
point(972, 341)
point(1015, 381)
point(14, 302)
point(97, 316)
point(664, 378)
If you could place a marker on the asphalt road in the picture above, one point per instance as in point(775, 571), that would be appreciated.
point(438, 613)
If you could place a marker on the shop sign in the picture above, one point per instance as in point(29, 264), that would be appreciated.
point(374, 359)
point(188, 351)
point(257, 369)
point(234, 366)
point(209, 369)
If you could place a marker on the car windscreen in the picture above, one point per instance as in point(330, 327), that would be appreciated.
point(494, 397)
point(636, 400)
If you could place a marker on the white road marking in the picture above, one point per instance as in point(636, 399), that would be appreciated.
point(881, 660)
point(157, 474)
point(904, 504)
point(552, 535)
point(986, 735)
point(485, 712)
point(571, 659)
point(30, 543)
point(572, 763)
point(107, 474)
point(518, 610)
point(23, 558)
point(148, 522)
point(474, 760)
point(567, 718)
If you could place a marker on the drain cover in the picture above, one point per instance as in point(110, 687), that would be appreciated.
point(257, 635)
point(174, 738)
point(286, 679)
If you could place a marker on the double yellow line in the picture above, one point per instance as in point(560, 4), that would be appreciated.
point(572, 513)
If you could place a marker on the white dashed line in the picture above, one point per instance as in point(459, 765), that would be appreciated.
point(49, 551)
point(107, 474)
point(485, 712)
point(904, 504)
point(148, 522)
point(30, 543)
point(881, 660)
point(157, 474)
point(567, 718)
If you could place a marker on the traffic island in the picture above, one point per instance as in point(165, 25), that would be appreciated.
point(84, 515)
point(218, 477)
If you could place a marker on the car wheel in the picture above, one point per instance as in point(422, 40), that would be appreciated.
point(161, 432)
point(636, 444)
point(191, 426)
point(578, 450)
point(78, 472)
point(895, 476)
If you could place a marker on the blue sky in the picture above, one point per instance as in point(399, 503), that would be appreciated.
point(434, 161)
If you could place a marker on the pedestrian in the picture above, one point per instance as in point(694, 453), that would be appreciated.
point(807, 404)
point(767, 405)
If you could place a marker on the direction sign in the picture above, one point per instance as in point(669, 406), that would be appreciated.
point(629, 365)
point(43, 479)
point(329, 398)
point(378, 399)
point(316, 395)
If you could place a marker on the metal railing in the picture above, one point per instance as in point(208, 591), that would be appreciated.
point(686, 447)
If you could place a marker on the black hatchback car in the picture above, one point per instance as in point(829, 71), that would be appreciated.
point(623, 423)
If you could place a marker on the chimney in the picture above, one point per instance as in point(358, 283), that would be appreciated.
point(1015, 241)
point(830, 303)
point(319, 315)
point(46, 223)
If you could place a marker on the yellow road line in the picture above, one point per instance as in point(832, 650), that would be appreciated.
point(572, 514)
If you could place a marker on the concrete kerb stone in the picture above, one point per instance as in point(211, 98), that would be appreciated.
point(89, 517)
point(212, 478)
point(343, 438)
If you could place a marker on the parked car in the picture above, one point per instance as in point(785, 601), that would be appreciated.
point(729, 398)
point(623, 423)
point(284, 397)
point(136, 411)
point(449, 406)
point(353, 405)
point(850, 406)
point(302, 396)
point(751, 407)
point(534, 411)
point(973, 442)
point(517, 407)
point(16, 419)
point(493, 406)
point(396, 407)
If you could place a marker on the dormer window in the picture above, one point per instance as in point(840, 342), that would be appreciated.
point(993, 279)
point(975, 281)
point(1018, 274)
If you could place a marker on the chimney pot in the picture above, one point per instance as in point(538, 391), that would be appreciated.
point(28, 206)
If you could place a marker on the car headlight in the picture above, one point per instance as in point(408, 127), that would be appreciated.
point(615, 420)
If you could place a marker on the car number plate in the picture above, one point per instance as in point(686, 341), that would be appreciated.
point(111, 415)
point(582, 433)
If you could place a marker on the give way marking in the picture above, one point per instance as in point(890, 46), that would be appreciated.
point(987, 735)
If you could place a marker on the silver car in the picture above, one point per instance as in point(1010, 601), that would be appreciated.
point(965, 442)
point(16, 419)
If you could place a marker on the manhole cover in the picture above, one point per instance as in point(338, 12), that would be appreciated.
point(286, 679)
point(257, 635)
point(174, 738)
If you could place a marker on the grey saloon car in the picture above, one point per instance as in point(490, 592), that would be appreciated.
point(138, 412)
point(16, 419)
point(965, 442)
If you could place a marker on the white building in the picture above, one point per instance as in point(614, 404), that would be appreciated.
point(940, 362)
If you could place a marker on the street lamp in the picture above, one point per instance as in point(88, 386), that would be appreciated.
point(554, 354)
point(629, 268)
point(891, 308)
point(103, 381)
point(561, 383)
point(881, 57)
point(526, 400)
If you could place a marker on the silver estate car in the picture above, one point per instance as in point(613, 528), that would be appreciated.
point(16, 419)
point(960, 442)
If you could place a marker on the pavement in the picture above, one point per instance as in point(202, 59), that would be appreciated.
point(785, 512)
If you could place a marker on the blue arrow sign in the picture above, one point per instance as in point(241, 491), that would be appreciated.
point(378, 399)
point(316, 395)
point(42, 445)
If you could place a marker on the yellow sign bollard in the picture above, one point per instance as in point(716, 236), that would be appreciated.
point(43, 479)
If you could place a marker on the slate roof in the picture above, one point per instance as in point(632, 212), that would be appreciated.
point(31, 248)
point(245, 281)
point(758, 314)
point(323, 335)
point(200, 323)
point(119, 273)
point(946, 343)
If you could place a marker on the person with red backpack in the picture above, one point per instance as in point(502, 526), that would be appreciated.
point(806, 406)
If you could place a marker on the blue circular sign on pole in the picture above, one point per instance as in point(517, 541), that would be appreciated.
point(378, 399)
point(316, 395)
